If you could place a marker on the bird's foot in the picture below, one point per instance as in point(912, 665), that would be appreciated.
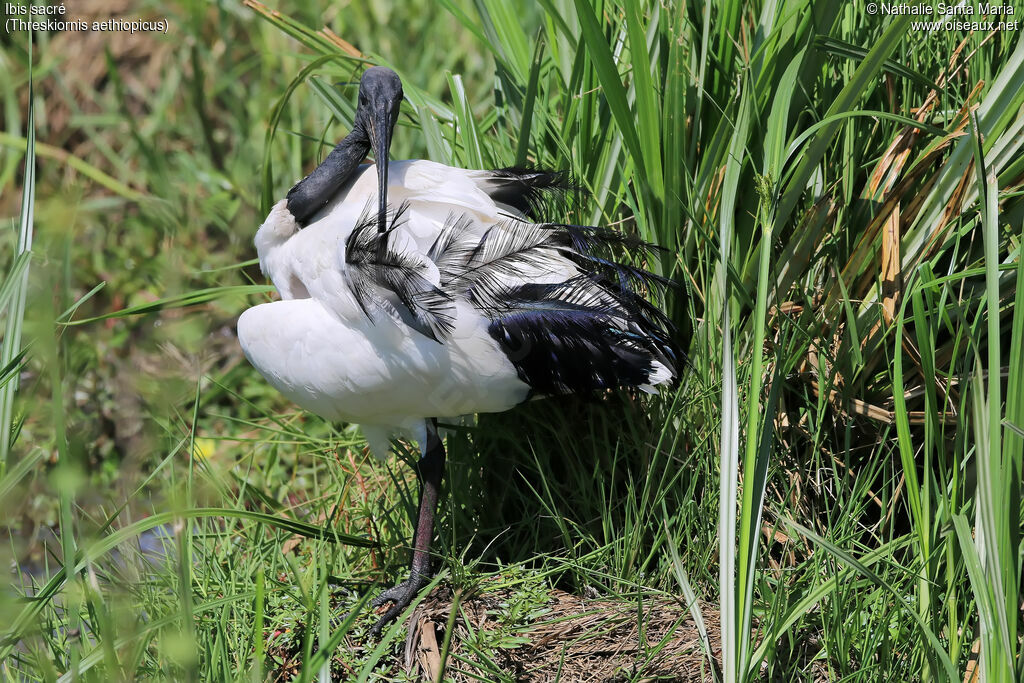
point(399, 596)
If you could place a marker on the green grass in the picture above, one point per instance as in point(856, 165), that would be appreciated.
point(833, 492)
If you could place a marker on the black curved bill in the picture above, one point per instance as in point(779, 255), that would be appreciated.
point(380, 143)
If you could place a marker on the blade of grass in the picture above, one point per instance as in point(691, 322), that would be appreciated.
point(472, 151)
point(146, 633)
point(90, 553)
point(689, 595)
point(17, 290)
point(42, 150)
point(863, 570)
point(600, 56)
point(647, 106)
point(998, 556)
point(523, 146)
point(729, 483)
point(199, 296)
point(848, 96)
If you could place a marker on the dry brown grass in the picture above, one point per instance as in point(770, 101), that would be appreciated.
point(578, 639)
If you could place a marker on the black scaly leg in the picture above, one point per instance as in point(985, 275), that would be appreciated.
point(430, 470)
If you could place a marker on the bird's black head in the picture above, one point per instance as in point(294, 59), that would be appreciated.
point(380, 98)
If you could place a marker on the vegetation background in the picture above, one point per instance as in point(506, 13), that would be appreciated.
point(833, 492)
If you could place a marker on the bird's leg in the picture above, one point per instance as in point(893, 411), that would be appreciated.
point(430, 470)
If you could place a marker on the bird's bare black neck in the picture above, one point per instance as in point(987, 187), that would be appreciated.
point(312, 193)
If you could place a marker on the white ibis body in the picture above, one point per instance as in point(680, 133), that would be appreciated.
point(450, 299)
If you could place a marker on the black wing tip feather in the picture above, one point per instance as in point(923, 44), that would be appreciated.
point(562, 352)
point(587, 238)
point(596, 330)
point(529, 189)
point(558, 346)
point(375, 267)
point(368, 219)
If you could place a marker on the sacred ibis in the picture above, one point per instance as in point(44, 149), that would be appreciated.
point(453, 297)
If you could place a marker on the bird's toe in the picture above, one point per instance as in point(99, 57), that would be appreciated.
point(400, 596)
